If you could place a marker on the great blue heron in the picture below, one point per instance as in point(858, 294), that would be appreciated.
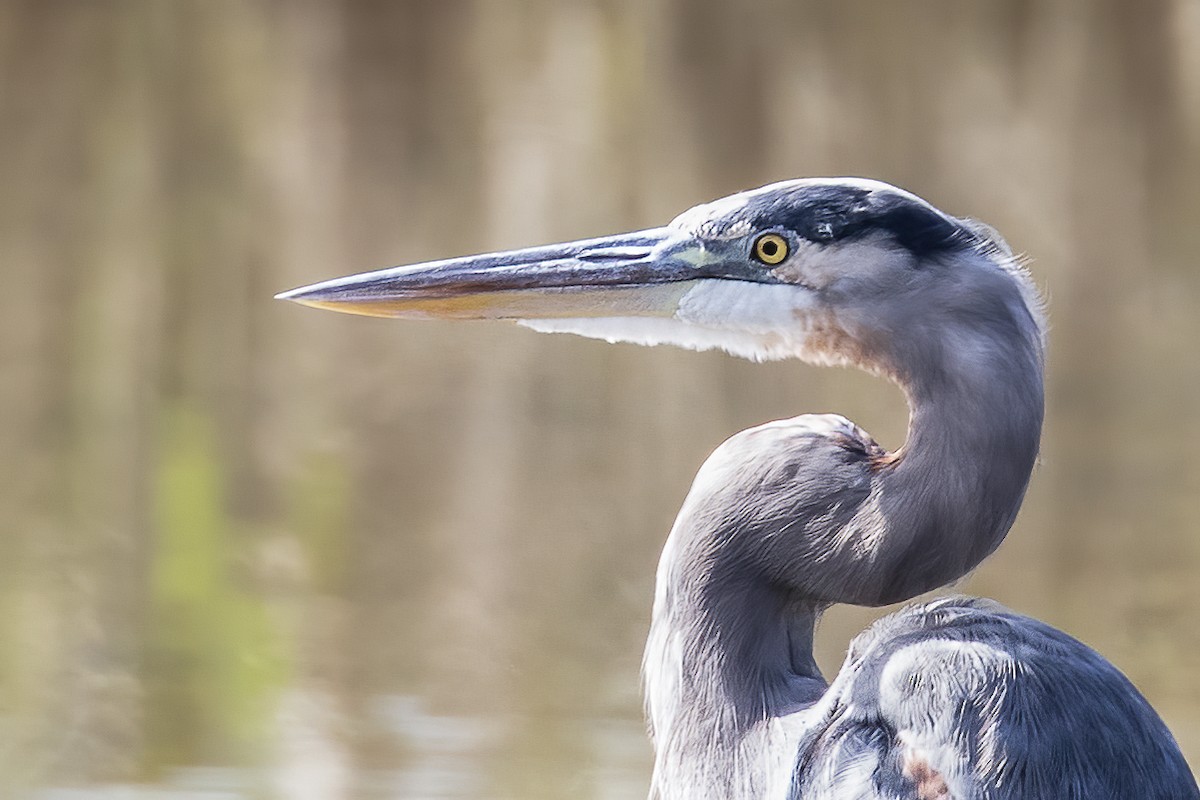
point(954, 698)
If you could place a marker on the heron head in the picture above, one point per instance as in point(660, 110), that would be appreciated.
point(831, 270)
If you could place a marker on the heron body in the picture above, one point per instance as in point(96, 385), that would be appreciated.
point(956, 698)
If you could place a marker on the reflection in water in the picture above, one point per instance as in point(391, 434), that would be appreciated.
point(255, 551)
point(444, 758)
point(444, 754)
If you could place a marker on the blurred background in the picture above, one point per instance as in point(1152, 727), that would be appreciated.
point(249, 549)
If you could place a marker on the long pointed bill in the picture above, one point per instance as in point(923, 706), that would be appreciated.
point(642, 274)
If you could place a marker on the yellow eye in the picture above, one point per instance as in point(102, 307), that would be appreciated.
point(770, 248)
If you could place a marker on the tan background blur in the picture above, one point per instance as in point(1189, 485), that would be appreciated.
point(254, 550)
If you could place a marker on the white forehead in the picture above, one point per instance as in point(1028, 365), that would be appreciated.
point(868, 184)
point(702, 219)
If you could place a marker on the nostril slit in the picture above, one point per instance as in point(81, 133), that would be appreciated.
point(615, 254)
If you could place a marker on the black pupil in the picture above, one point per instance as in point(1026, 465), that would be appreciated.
point(770, 248)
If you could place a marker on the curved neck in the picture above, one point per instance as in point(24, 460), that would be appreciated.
point(729, 659)
point(948, 497)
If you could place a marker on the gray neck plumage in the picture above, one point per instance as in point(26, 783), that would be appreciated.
point(729, 658)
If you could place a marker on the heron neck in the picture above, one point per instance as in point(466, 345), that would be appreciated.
point(754, 558)
point(725, 664)
point(948, 497)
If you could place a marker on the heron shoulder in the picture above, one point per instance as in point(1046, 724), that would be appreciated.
point(975, 695)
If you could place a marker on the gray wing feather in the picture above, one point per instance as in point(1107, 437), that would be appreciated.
point(961, 698)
